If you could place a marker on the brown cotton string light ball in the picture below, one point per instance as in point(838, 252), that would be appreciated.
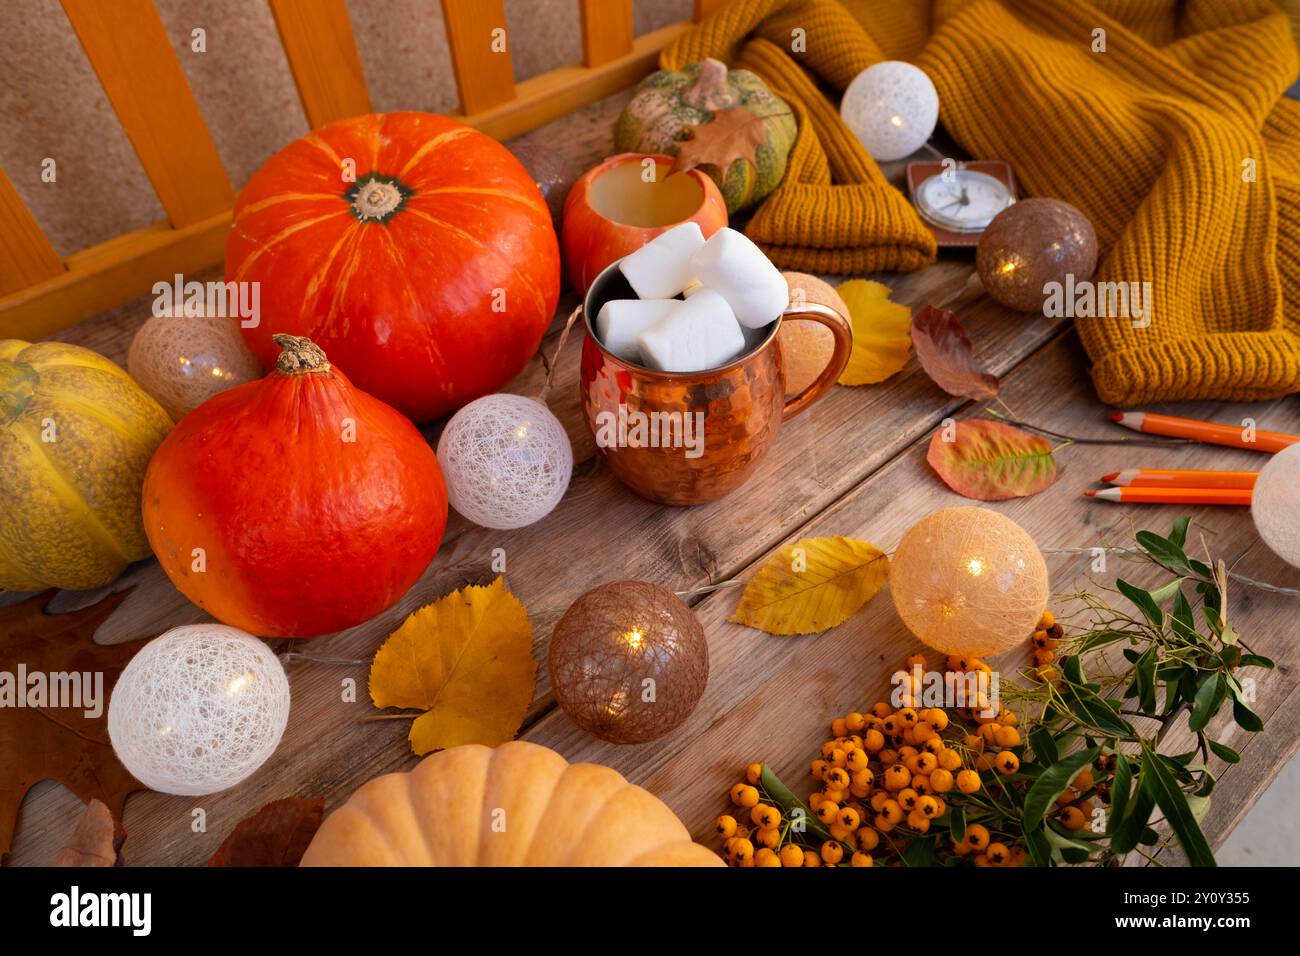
point(628, 662)
point(969, 581)
point(1031, 243)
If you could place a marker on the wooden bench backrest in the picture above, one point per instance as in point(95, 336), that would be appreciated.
point(41, 292)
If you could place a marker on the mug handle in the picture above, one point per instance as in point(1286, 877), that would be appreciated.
point(843, 332)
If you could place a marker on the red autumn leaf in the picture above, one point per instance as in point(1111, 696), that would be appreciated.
point(991, 461)
point(276, 835)
point(96, 840)
point(943, 348)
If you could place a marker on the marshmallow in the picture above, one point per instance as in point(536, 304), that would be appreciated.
point(730, 264)
point(700, 333)
point(661, 268)
point(620, 322)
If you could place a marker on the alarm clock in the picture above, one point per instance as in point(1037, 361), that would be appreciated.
point(959, 200)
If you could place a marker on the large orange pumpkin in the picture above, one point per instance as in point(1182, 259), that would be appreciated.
point(416, 251)
point(296, 505)
point(518, 805)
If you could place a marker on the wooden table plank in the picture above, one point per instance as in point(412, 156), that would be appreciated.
point(325, 750)
point(772, 698)
point(548, 566)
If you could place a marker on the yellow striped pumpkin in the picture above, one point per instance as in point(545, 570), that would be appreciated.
point(76, 433)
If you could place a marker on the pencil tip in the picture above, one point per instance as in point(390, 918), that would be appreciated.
point(1117, 417)
point(1090, 494)
point(1111, 477)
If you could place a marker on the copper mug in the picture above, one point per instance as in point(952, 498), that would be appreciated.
point(683, 438)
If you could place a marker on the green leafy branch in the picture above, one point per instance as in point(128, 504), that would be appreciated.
point(1178, 666)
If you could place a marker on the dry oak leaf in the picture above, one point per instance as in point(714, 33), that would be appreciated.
point(732, 134)
point(96, 840)
point(812, 585)
point(991, 461)
point(276, 835)
point(467, 661)
point(944, 350)
point(881, 342)
point(46, 743)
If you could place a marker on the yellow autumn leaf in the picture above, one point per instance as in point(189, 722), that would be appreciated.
point(882, 333)
point(812, 585)
point(467, 661)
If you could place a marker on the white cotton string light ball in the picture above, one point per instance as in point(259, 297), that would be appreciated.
point(1275, 504)
point(182, 361)
point(892, 108)
point(969, 581)
point(506, 460)
point(198, 709)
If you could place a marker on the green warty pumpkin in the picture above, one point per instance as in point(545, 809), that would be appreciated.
point(666, 104)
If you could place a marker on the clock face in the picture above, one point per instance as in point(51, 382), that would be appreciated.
point(962, 200)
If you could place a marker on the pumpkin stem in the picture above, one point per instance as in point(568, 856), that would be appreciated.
point(376, 199)
point(299, 355)
point(710, 90)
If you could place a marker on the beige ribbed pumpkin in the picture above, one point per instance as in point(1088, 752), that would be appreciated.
point(75, 436)
point(519, 804)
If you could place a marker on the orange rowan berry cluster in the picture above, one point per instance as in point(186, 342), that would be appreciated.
point(887, 776)
point(1046, 639)
point(1076, 804)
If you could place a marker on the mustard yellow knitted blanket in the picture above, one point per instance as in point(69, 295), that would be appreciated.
point(1161, 119)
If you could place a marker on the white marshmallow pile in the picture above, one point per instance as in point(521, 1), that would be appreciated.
point(732, 290)
point(699, 333)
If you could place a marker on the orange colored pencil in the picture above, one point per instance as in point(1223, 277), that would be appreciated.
point(1174, 496)
point(1212, 433)
point(1174, 478)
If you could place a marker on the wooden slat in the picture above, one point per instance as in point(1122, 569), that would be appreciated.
point(551, 95)
point(322, 54)
point(128, 47)
point(705, 7)
point(121, 269)
point(26, 256)
point(607, 31)
point(485, 78)
point(771, 699)
point(111, 273)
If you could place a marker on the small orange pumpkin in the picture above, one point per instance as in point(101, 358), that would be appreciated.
point(296, 505)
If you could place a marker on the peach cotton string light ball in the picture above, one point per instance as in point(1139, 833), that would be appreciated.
point(182, 361)
point(968, 581)
point(1275, 504)
point(198, 709)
